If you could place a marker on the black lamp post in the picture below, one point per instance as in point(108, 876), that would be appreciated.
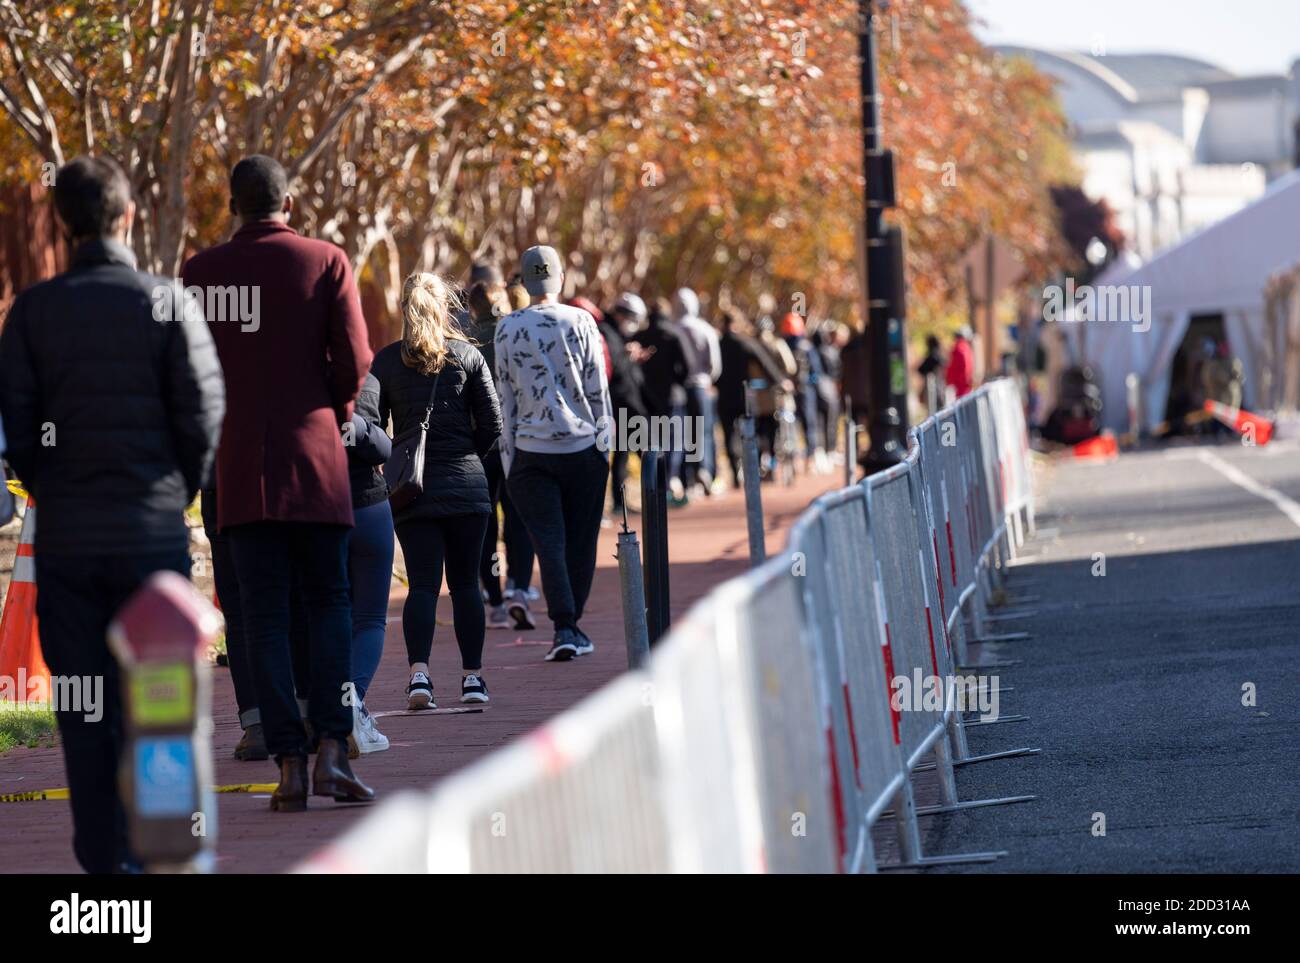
point(886, 285)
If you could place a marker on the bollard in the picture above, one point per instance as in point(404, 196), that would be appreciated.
point(753, 493)
point(1133, 395)
point(654, 515)
point(635, 632)
point(850, 443)
point(160, 637)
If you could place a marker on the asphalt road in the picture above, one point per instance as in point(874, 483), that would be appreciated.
point(1134, 680)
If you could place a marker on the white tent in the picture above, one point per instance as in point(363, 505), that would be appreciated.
point(1221, 269)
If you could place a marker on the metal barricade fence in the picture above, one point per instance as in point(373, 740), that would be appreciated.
point(579, 794)
point(762, 734)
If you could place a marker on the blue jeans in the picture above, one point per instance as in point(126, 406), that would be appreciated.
point(273, 561)
point(370, 573)
point(676, 441)
point(699, 406)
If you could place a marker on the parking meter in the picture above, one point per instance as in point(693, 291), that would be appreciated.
point(160, 637)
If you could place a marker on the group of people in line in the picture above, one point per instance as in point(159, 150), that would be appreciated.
point(946, 380)
point(122, 401)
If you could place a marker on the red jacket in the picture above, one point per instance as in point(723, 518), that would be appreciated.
point(961, 367)
point(293, 367)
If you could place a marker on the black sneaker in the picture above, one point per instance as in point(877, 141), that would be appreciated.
point(473, 688)
point(419, 692)
point(585, 645)
point(565, 647)
point(518, 609)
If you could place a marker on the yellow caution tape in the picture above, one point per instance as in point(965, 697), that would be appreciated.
point(35, 796)
point(38, 795)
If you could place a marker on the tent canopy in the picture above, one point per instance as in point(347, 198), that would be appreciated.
point(1222, 268)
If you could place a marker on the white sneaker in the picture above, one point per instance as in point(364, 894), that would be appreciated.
point(498, 617)
point(365, 736)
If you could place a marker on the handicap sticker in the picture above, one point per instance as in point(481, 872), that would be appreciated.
point(164, 777)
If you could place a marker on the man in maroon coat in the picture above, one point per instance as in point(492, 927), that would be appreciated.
point(287, 323)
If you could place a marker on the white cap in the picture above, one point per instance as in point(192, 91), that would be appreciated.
point(631, 303)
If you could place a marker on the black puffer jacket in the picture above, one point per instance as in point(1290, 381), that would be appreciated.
point(369, 449)
point(464, 426)
point(112, 401)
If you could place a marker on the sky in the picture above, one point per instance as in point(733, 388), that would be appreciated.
point(1243, 36)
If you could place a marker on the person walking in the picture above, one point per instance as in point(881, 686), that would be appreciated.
point(960, 374)
point(433, 377)
point(626, 382)
point(488, 303)
point(827, 340)
point(705, 367)
point(112, 400)
point(931, 369)
point(807, 377)
point(742, 360)
point(252, 740)
point(666, 362)
point(295, 356)
point(370, 557)
point(556, 425)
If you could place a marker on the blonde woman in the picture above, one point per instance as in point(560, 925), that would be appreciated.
point(434, 371)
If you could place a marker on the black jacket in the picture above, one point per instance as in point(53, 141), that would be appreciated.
point(464, 426)
point(483, 332)
point(743, 358)
point(368, 449)
point(625, 382)
point(112, 401)
point(665, 371)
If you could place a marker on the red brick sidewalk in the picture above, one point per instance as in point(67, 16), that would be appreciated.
point(707, 545)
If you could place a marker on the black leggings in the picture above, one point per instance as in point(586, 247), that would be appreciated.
point(429, 545)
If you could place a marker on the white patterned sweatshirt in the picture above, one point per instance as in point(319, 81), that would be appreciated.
point(550, 370)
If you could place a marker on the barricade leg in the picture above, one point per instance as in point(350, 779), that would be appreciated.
point(909, 838)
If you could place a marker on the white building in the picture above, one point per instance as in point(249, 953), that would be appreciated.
point(1172, 143)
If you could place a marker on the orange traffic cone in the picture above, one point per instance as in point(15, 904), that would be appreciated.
point(1103, 446)
point(1248, 425)
point(23, 672)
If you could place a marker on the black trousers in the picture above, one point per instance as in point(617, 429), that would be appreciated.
point(270, 557)
point(76, 598)
point(241, 668)
point(432, 546)
point(562, 499)
point(519, 546)
point(618, 476)
point(731, 438)
point(226, 584)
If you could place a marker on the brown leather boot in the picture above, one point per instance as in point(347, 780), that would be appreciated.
point(252, 745)
point(333, 775)
point(291, 795)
